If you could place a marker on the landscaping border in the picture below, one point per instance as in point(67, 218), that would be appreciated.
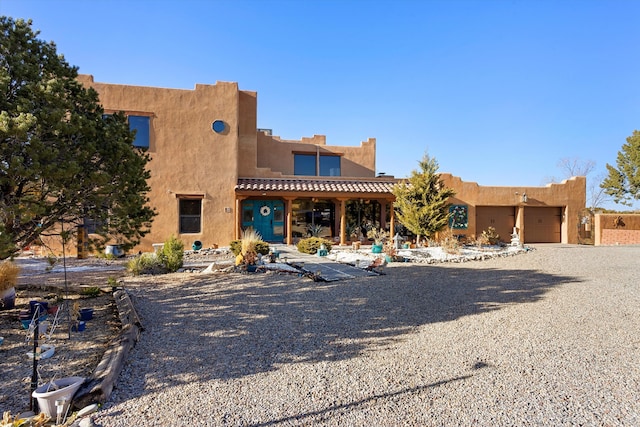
point(98, 387)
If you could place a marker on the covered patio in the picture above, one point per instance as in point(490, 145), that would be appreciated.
point(284, 209)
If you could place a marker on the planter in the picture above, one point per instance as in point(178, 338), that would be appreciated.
point(388, 258)
point(114, 250)
point(62, 389)
point(251, 268)
point(8, 298)
point(46, 351)
point(197, 245)
point(376, 249)
point(86, 314)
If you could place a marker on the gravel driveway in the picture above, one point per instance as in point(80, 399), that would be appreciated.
point(551, 337)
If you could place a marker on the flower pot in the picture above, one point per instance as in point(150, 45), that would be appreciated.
point(376, 249)
point(62, 389)
point(251, 268)
point(8, 298)
point(388, 258)
point(86, 314)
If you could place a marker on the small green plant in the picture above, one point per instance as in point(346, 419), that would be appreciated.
point(314, 230)
point(91, 291)
point(172, 254)
point(111, 281)
point(311, 245)
point(51, 262)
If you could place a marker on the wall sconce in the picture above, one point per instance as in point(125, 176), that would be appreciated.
point(524, 198)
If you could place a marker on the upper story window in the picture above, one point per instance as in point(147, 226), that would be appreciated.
point(141, 125)
point(306, 164)
point(329, 165)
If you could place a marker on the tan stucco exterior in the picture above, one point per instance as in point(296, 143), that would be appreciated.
point(191, 160)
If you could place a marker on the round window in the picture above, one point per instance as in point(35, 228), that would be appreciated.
point(218, 126)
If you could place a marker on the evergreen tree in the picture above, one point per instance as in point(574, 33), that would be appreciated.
point(422, 200)
point(59, 158)
point(623, 182)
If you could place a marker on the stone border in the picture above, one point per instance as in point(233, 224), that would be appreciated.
point(98, 387)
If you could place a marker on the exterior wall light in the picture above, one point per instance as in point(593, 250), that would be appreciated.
point(524, 198)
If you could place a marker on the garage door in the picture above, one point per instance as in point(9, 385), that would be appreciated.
point(502, 218)
point(542, 225)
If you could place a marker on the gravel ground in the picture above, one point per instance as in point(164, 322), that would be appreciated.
point(546, 338)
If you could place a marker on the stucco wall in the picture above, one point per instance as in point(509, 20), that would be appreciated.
point(570, 195)
point(617, 229)
point(188, 157)
point(276, 159)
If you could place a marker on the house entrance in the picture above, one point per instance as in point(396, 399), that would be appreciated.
point(266, 217)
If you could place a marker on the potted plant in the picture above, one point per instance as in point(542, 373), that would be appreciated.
point(390, 253)
point(379, 236)
point(8, 278)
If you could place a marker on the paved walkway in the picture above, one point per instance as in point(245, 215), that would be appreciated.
point(326, 269)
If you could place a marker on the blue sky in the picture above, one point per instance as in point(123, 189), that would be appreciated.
point(497, 91)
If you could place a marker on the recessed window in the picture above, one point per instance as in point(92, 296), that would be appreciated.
point(329, 165)
point(190, 215)
point(141, 125)
point(304, 164)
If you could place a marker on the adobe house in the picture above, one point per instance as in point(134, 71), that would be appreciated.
point(214, 173)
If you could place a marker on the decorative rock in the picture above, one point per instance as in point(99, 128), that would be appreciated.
point(88, 410)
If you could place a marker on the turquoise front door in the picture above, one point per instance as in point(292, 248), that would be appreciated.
point(266, 217)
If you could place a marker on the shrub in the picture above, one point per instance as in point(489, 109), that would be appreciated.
point(147, 263)
point(91, 291)
point(489, 237)
point(379, 236)
point(171, 254)
point(311, 245)
point(236, 247)
point(449, 243)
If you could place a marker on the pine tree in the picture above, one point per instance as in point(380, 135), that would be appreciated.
point(623, 182)
point(60, 159)
point(422, 200)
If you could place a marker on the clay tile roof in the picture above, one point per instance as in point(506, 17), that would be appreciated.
point(315, 185)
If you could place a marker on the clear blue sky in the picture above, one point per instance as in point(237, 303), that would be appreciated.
point(496, 91)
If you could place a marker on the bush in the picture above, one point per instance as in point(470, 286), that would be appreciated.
point(312, 244)
point(171, 254)
point(449, 243)
point(147, 263)
point(489, 237)
point(261, 247)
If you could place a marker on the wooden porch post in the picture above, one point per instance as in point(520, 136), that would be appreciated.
point(392, 221)
point(288, 207)
point(238, 218)
point(343, 222)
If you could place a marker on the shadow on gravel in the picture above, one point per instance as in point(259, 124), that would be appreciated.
point(271, 319)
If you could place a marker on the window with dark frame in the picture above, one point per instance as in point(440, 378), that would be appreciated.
point(304, 164)
point(190, 215)
point(141, 125)
point(329, 165)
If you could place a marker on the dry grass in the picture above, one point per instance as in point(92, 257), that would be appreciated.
point(8, 275)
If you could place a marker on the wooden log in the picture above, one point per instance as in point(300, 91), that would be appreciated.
point(98, 387)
